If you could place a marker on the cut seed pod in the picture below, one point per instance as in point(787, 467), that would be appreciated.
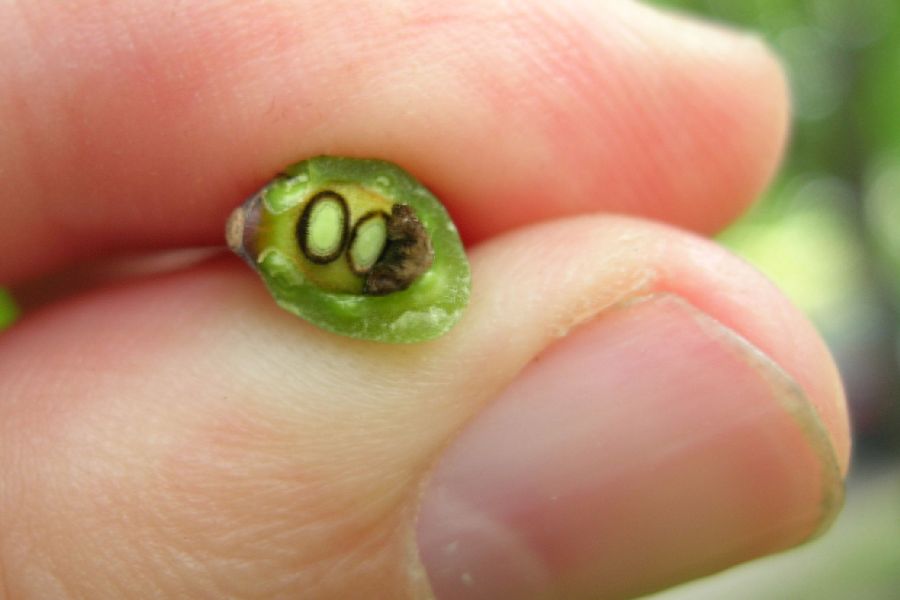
point(357, 247)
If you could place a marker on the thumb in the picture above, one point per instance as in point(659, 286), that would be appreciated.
point(182, 437)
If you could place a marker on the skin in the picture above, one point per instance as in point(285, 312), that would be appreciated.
point(166, 431)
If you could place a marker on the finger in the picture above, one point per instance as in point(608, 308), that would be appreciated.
point(94, 274)
point(183, 435)
point(140, 125)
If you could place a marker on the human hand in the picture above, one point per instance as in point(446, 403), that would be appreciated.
point(624, 406)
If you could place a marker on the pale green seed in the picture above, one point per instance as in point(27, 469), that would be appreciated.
point(368, 243)
point(325, 228)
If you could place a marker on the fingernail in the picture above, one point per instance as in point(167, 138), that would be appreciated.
point(650, 446)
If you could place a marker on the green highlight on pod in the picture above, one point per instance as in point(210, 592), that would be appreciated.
point(8, 310)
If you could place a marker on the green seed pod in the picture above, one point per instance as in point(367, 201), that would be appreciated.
point(357, 247)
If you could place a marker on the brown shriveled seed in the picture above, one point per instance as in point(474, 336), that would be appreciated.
point(407, 255)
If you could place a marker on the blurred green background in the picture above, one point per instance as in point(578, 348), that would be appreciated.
point(7, 309)
point(828, 232)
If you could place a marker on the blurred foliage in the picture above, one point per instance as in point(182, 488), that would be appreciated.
point(828, 231)
point(8, 311)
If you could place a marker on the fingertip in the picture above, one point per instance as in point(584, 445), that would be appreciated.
point(514, 113)
point(764, 96)
point(733, 96)
point(650, 446)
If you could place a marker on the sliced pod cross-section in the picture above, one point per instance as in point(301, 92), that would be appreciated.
point(357, 247)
